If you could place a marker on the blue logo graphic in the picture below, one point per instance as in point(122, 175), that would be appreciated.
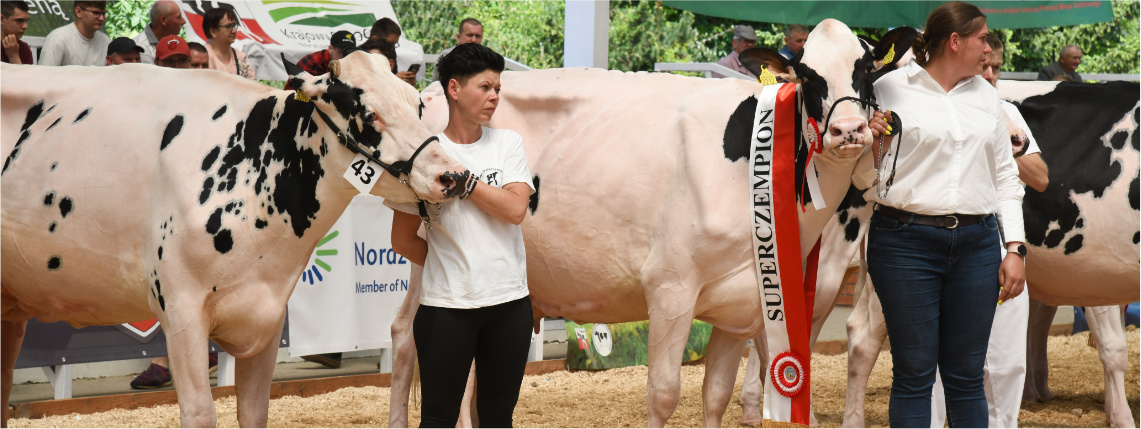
point(313, 275)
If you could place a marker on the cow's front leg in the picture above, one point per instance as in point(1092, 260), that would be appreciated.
point(12, 337)
point(1037, 385)
point(252, 378)
point(866, 334)
point(188, 347)
point(753, 386)
point(671, 315)
point(722, 357)
point(404, 352)
point(1106, 329)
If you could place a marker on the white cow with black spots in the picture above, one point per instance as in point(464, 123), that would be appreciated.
point(198, 204)
point(643, 208)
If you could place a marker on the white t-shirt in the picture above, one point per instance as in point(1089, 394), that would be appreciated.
point(475, 260)
point(64, 46)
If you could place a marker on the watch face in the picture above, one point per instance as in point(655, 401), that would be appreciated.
point(1022, 249)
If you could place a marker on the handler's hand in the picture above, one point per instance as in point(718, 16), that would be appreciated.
point(1011, 276)
point(879, 127)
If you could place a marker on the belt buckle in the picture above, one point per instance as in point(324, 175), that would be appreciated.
point(956, 225)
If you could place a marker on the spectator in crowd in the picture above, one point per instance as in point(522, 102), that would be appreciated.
point(221, 25)
point(166, 19)
point(123, 50)
point(935, 254)
point(474, 301)
point(173, 52)
point(744, 37)
point(379, 46)
point(794, 37)
point(1067, 65)
point(317, 63)
point(81, 43)
point(199, 59)
point(13, 24)
point(386, 29)
point(1005, 368)
point(471, 31)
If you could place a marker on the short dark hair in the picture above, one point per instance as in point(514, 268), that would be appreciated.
point(467, 60)
point(87, 4)
point(994, 42)
point(383, 27)
point(7, 8)
point(471, 21)
point(388, 49)
point(195, 46)
point(213, 16)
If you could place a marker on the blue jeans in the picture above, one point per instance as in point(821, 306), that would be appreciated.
point(938, 287)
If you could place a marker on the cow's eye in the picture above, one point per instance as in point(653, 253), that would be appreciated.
point(369, 117)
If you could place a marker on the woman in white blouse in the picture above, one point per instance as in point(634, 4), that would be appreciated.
point(936, 249)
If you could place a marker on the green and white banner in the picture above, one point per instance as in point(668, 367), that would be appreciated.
point(597, 346)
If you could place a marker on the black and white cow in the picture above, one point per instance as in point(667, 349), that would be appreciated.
point(194, 196)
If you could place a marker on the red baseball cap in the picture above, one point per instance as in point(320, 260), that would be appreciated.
point(171, 45)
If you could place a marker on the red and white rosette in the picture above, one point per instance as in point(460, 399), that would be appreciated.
point(788, 373)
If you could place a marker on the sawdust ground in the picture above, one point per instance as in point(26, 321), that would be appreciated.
point(617, 398)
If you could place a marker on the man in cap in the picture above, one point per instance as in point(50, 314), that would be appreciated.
point(173, 52)
point(13, 23)
point(744, 37)
point(166, 19)
point(123, 50)
point(794, 37)
point(317, 63)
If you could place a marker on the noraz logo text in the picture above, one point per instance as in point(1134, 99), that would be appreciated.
point(366, 256)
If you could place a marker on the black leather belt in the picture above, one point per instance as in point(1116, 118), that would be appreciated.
point(950, 221)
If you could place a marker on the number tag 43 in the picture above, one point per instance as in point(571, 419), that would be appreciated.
point(363, 174)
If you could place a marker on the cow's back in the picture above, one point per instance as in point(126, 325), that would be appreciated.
point(627, 163)
point(100, 165)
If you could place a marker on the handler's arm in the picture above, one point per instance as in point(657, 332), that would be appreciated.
point(1033, 171)
point(508, 204)
point(404, 239)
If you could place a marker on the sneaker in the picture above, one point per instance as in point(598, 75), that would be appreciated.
point(331, 360)
point(213, 363)
point(153, 378)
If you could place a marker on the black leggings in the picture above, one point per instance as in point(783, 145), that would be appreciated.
point(447, 339)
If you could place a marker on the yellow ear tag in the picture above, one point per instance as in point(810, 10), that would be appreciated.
point(766, 77)
point(890, 55)
point(300, 96)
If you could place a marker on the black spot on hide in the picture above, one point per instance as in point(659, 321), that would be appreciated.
point(1074, 244)
point(738, 131)
point(65, 206)
point(49, 199)
point(54, 262)
point(30, 118)
point(533, 204)
point(218, 113)
point(54, 123)
point(160, 253)
point(82, 115)
point(51, 227)
point(212, 156)
point(223, 241)
point(173, 128)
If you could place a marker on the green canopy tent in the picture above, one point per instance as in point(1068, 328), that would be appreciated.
point(884, 14)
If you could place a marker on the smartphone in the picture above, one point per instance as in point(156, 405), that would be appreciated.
point(414, 68)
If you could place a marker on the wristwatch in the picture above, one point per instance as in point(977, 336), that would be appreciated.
point(1020, 249)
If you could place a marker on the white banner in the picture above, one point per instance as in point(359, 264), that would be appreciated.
point(352, 287)
point(297, 28)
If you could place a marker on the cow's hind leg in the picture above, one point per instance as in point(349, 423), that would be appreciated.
point(187, 346)
point(404, 352)
point(722, 357)
point(753, 386)
point(253, 376)
point(12, 336)
point(1106, 328)
point(1037, 384)
point(670, 321)
point(866, 334)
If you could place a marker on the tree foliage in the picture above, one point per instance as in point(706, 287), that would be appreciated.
point(530, 32)
point(127, 18)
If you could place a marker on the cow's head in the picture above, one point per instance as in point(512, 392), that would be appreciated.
point(363, 99)
point(836, 64)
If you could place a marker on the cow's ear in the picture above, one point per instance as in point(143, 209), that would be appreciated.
point(756, 59)
point(894, 44)
point(294, 71)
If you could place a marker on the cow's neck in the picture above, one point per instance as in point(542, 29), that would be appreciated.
point(835, 177)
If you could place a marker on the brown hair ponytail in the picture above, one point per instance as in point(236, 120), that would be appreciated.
point(950, 18)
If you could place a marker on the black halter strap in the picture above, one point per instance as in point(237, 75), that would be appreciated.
point(865, 102)
point(396, 169)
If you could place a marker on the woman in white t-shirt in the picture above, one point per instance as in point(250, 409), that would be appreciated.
point(935, 247)
point(475, 303)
